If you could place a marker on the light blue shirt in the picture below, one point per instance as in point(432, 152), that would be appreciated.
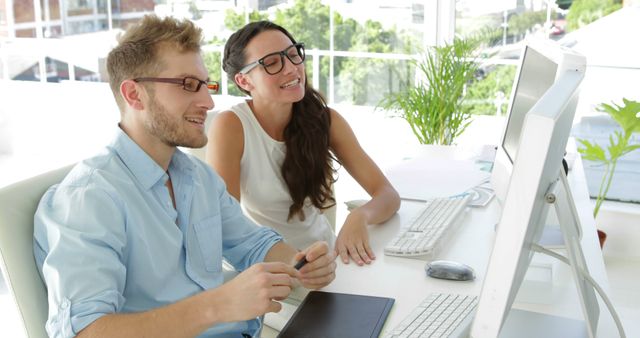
point(107, 239)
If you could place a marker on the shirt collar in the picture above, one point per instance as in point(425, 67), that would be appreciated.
point(142, 166)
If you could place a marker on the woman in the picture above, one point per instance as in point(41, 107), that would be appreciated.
point(275, 151)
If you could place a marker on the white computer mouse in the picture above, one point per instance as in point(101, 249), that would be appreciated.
point(449, 270)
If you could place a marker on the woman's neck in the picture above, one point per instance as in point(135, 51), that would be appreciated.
point(273, 117)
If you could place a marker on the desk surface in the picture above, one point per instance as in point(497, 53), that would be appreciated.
point(404, 279)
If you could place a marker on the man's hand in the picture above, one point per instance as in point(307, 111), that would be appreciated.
point(255, 291)
point(320, 269)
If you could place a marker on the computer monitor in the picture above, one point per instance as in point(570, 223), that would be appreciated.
point(536, 181)
point(540, 65)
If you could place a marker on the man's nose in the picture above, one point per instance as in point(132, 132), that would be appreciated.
point(205, 99)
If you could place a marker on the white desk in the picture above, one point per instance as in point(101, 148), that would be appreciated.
point(405, 280)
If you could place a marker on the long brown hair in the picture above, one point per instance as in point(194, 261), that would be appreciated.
point(307, 168)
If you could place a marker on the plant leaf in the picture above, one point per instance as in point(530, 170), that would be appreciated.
point(625, 116)
point(433, 106)
point(592, 151)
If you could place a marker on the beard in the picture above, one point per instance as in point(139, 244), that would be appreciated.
point(172, 131)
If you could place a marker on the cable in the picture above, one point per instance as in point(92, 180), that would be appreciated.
point(585, 275)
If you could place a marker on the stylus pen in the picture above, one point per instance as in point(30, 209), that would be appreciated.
point(300, 263)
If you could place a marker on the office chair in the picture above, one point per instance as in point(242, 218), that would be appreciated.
point(18, 203)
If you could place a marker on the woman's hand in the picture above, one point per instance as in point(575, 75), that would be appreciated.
point(353, 240)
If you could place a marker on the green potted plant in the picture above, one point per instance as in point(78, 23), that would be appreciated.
point(627, 117)
point(433, 106)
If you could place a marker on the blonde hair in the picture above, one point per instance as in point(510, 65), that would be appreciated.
point(136, 54)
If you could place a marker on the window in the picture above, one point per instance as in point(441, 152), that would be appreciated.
point(357, 50)
point(504, 25)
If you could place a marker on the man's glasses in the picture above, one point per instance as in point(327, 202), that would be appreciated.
point(190, 84)
point(274, 63)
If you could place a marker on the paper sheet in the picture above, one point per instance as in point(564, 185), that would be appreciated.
point(424, 178)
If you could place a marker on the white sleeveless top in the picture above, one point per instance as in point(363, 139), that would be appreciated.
point(263, 193)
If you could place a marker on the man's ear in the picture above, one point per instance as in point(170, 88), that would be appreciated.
point(244, 82)
point(131, 93)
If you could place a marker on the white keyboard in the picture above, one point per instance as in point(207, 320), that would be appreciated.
point(429, 228)
point(439, 315)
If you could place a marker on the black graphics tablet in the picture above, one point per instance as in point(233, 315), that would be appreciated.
point(338, 315)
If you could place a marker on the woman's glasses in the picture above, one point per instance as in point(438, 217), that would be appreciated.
point(274, 63)
point(190, 84)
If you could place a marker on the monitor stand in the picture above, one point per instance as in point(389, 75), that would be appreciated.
point(559, 194)
point(552, 237)
point(528, 324)
point(523, 324)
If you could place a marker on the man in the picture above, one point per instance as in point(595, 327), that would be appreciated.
point(131, 243)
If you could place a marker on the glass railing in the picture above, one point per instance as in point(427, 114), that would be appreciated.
point(359, 78)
